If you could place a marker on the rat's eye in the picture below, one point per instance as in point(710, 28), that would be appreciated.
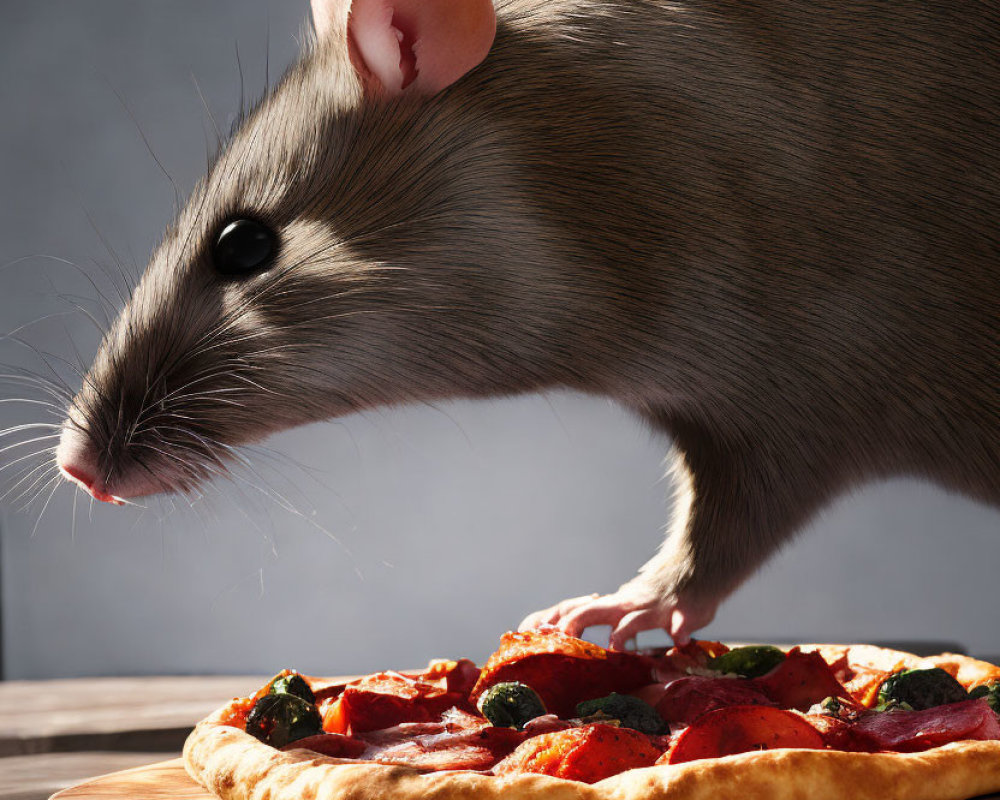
point(244, 246)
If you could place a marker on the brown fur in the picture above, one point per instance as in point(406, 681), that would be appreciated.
point(771, 228)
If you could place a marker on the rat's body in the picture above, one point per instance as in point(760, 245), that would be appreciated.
point(771, 228)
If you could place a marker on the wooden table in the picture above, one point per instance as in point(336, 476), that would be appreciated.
point(55, 734)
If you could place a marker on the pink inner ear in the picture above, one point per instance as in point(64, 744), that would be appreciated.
point(405, 34)
point(426, 44)
point(377, 42)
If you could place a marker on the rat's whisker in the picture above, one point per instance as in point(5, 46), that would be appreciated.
point(149, 147)
point(32, 440)
point(52, 408)
point(55, 486)
point(52, 389)
point(26, 478)
point(283, 502)
point(21, 459)
point(101, 327)
point(202, 376)
point(55, 314)
point(106, 303)
point(37, 477)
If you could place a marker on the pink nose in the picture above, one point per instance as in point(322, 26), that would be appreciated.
point(78, 464)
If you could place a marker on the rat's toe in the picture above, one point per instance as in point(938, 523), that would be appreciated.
point(635, 622)
point(688, 617)
point(554, 614)
point(606, 610)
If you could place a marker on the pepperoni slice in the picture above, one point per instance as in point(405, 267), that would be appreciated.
point(740, 729)
point(801, 680)
point(589, 754)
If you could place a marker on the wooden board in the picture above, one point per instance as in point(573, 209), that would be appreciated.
point(38, 776)
point(165, 780)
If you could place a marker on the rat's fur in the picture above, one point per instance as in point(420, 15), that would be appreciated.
point(771, 228)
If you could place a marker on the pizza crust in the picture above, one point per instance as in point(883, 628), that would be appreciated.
point(236, 766)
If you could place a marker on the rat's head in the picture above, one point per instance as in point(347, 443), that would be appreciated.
point(307, 275)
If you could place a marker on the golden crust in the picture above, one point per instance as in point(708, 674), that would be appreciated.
point(236, 766)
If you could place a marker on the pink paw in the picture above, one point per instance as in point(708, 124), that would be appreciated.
point(628, 611)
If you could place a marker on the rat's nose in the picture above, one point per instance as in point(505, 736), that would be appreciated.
point(78, 463)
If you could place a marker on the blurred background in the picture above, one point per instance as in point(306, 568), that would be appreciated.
point(378, 540)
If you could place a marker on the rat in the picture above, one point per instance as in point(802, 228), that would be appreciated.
point(770, 229)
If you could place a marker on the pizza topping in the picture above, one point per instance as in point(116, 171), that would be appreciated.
point(689, 659)
point(292, 683)
point(991, 692)
point(459, 676)
point(454, 755)
point(839, 734)
point(453, 675)
point(458, 741)
point(740, 729)
point(628, 711)
point(864, 684)
point(800, 680)
point(686, 699)
point(277, 719)
point(406, 731)
point(912, 731)
point(751, 661)
point(335, 745)
point(842, 708)
point(428, 720)
point(511, 704)
point(563, 670)
point(919, 689)
point(235, 713)
point(547, 723)
point(588, 754)
point(387, 699)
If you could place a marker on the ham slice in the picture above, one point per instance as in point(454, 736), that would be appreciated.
point(336, 745)
point(912, 731)
point(458, 741)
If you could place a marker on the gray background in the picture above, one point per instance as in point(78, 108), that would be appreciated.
point(387, 538)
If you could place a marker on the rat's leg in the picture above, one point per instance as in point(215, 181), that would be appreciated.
point(734, 508)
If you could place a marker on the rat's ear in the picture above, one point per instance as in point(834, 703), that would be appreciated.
point(419, 45)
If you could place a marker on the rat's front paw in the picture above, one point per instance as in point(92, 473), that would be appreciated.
point(628, 611)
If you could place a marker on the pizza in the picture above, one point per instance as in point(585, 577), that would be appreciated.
point(552, 716)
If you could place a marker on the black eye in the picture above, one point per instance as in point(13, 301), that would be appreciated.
point(244, 246)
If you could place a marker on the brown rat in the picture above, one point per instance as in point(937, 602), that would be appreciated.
point(770, 229)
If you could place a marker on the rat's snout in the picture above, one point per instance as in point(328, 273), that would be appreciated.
point(78, 462)
point(79, 458)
